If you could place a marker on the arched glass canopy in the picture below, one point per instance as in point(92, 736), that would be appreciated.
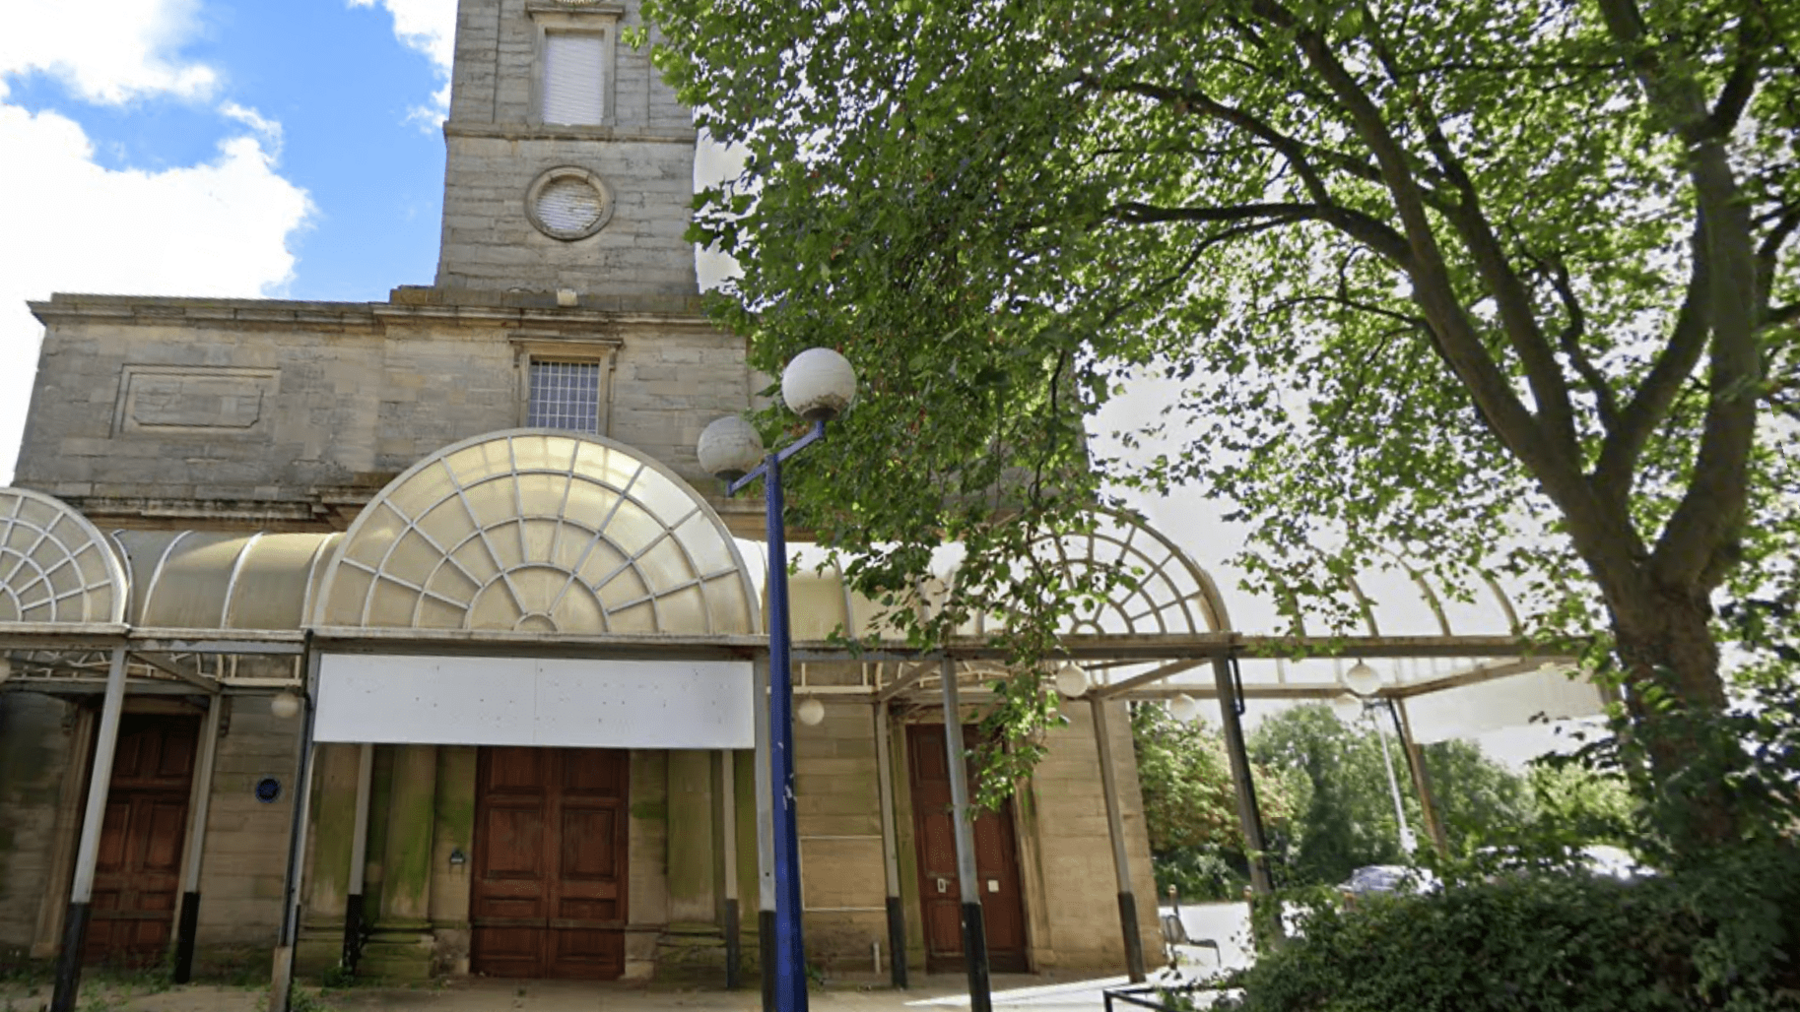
point(539, 532)
point(55, 566)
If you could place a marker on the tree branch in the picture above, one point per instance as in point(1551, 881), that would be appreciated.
point(1768, 254)
point(1457, 338)
point(1570, 337)
point(1698, 544)
point(1518, 320)
point(1752, 36)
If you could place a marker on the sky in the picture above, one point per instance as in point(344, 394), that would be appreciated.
point(252, 148)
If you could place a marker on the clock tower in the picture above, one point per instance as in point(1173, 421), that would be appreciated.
point(570, 162)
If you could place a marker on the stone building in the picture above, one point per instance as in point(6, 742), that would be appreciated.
point(466, 528)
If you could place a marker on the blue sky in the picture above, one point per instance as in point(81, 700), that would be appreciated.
point(214, 147)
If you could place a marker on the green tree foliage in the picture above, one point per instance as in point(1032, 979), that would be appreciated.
point(1552, 940)
point(1344, 813)
point(1343, 810)
point(1190, 805)
point(1419, 272)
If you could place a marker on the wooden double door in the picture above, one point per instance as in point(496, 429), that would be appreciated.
point(550, 871)
point(940, 887)
point(138, 874)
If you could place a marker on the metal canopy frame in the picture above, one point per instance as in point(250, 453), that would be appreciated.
point(1136, 645)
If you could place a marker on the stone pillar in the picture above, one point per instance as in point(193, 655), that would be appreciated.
point(333, 820)
point(693, 947)
point(649, 857)
point(743, 767)
point(452, 848)
point(401, 946)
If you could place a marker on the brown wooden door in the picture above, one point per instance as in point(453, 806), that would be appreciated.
point(996, 862)
point(138, 874)
point(549, 892)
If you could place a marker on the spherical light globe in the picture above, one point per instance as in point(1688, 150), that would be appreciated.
point(1348, 706)
point(1071, 681)
point(810, 712)
point(285, 705)
point(818, 384)
point(730, 448)
point(1362, 679)
point(1184, 708)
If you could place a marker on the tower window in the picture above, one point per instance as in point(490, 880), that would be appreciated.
point(564, 395)
point(574, 89)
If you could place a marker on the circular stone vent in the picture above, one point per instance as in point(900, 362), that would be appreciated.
point(568, 203)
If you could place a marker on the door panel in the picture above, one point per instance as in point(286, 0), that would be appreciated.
point(549, 896)
point(940, 889)
point(138, 874)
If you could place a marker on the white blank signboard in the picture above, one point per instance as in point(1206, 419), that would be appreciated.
point(391, 699)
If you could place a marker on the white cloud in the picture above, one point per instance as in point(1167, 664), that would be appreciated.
point(72, 225)
point(111, 52)
point(267, 129)
point(428, 26)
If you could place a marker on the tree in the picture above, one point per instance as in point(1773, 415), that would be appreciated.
point(1423, 273)
point(1190, 805)
point(1343, 811)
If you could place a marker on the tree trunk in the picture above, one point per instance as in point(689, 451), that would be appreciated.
point(1675, 696)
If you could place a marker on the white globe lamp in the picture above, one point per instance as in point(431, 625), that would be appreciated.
point(1071, 681)
point(285, 705)
point(810, 712)
point(1184, 708)
point(1348, 706)
point(818, 384)
point(1362, 679)
point(730, 448)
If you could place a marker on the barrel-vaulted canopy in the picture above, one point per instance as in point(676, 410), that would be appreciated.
point(537, 531)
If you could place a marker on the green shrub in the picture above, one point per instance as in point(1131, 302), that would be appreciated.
point(1723, 935)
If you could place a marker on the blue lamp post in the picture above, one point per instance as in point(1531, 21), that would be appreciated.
point(817, 385)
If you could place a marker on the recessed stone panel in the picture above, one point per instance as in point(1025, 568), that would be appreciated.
point(201, 399)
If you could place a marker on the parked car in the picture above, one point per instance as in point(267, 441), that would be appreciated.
point(1387, 879)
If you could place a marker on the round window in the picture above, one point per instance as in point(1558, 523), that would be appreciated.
point(568, 203)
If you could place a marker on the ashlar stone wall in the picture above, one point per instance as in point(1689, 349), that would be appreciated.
point(291, 415)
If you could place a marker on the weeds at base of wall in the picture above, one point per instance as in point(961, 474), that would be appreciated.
point(301, 999)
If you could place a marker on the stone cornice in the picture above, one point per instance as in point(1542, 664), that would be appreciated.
point(410, 308)
point(558, 132)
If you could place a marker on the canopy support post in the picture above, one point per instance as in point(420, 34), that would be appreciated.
point(189, 923)
point(281, 980)
point(1231, 707)
point(734, 944)
point(765, 843)
point(974, 926)
point(1115, 828)
point(890, 849)
point(87, 852)
point(359, 859)
point(1415, 762)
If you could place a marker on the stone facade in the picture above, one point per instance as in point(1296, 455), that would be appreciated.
point(290, 415)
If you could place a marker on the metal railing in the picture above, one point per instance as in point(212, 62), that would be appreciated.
point(1155, 996)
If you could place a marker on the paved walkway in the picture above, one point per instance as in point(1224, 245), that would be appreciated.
point(932, 994)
